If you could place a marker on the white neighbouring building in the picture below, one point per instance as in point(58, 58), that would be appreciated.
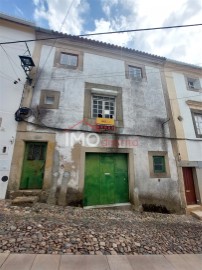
point(184, 84)
point(12, 81)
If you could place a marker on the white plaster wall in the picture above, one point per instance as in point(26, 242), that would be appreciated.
point(10, 93)
point(104, 70)
point(194, 148)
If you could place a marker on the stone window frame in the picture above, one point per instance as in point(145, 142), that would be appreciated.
point(190, 77)
point(49, 93)
point(104, 90)
point(193, 113)
point(77, 53)
point(139, 66)
point(153, 174)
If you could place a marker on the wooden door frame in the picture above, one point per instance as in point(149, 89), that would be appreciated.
point(18, 157)
point(194, 183)
point(131, 175)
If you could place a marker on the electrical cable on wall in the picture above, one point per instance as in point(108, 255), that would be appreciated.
point(119, 134)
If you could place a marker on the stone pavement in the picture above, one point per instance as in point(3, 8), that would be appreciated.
point(48, 229)
point(100, 262)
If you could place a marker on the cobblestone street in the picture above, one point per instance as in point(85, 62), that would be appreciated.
point(47, 229)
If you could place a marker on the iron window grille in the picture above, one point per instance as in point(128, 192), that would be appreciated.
point(103, 106)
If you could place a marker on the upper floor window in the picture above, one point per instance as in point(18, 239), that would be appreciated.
point(135, 72)
point(197, 119)
point(193, 83)
point(49, 99)
point(103, 106)
point(70, 60)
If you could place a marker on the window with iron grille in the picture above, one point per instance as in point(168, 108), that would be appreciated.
point(103, 106)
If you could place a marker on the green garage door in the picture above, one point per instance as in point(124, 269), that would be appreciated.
point(106, 179)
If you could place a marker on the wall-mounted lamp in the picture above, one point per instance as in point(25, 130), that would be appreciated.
point(27, 64)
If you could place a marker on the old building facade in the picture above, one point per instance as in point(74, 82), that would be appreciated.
point(12, 79)
point(100, 130)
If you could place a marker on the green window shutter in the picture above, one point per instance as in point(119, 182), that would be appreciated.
point(159, 164)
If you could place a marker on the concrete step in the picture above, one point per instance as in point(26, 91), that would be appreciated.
point(193, 207)
point(22, 193)
point(197, 214)
point(25, 200)
point(116, 206)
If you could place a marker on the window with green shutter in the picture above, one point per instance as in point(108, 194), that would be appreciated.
point(159, 164)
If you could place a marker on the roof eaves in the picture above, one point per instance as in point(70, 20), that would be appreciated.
point(17, 20)
point(183, 63)
point(100, 43)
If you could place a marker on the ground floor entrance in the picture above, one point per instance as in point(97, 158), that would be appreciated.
point(189, 185)
point(33, 165)
point(106, 179)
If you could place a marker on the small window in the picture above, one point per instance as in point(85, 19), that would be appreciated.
point(70, 60)
point(135, 72)
point(193, 83)
point(103, 106)
point(197, 119)
point(159, 164)
point(49, 99)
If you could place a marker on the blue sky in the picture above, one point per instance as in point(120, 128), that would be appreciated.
point(84, 16)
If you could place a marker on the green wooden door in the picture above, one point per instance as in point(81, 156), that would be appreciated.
point(106, 179)
point(33, 166)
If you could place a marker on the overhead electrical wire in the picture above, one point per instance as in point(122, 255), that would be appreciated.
point(116, 134)
point(105, 33)
point(11, 61)
point(51, 49)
